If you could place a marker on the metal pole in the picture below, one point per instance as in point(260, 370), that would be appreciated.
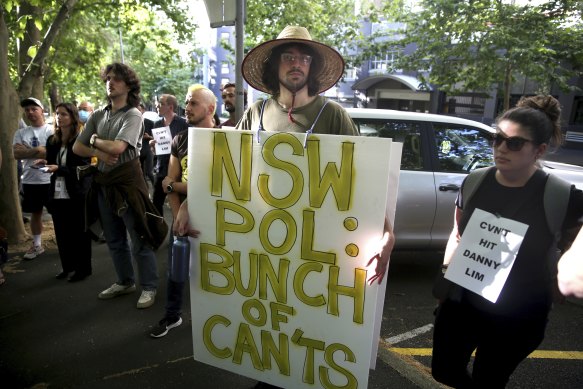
point(121, 45)
point(239, 34)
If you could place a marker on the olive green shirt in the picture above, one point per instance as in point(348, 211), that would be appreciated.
point(333, 118)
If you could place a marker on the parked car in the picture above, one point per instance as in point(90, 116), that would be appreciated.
point(438, 152)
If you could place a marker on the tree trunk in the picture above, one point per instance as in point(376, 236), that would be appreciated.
point(31, 38)
point(54, 96)
point(30, 84)
point(10, 212)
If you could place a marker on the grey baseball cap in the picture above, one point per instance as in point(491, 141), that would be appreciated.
point(32, 101)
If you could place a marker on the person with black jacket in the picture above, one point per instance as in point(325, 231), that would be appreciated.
point(66, 201)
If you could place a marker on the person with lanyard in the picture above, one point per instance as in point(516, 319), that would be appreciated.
point(67, 194)
point(503, 333)
point(29, 145)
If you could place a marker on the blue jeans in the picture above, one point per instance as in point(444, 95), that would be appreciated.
point(116, 230)
point(175, 290)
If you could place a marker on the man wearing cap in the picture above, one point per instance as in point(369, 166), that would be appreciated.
point(294, 70)
point(28, 145)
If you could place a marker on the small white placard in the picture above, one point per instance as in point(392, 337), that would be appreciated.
point(163, 140)
point(486, 254)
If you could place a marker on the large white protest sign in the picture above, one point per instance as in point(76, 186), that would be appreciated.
point(163, 139)
point(278, 276)
point(486, 254)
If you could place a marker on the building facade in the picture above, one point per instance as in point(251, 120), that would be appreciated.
point(377, 84)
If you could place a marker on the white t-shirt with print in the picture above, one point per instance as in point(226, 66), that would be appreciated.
point(33, 137)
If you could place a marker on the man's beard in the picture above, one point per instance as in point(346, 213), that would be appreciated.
point(292, 86)
point(229, 108)
point(194, 121)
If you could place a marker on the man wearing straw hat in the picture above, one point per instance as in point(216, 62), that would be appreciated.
point(294, 70)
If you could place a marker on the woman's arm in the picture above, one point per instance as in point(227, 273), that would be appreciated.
point(454, 237)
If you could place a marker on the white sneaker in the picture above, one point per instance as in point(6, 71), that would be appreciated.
point(33, 252)
point(116, 290)
point(147, 299)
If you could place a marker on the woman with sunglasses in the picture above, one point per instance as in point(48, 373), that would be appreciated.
point(505, 332)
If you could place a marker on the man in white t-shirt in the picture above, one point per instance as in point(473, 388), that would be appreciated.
point(29, 144)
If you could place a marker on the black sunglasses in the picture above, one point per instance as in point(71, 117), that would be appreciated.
point(514, 143)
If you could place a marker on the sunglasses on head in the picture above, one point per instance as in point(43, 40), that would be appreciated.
point(513, 143)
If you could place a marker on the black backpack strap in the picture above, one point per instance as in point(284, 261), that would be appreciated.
point(556, 201)
point(472, 183)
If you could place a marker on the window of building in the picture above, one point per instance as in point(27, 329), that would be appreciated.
point(385, 63)
point(225, 36)
point(465, 104)
point(224, 67)
point(351, 74)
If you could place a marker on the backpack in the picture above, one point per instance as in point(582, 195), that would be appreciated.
point(555, 201)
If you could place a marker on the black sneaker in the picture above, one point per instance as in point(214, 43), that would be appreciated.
point(164, 326)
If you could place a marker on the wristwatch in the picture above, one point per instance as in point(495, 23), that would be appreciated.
point(92, 140)
point(170, 187)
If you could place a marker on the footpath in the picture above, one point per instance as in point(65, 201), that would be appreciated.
point(55, 334)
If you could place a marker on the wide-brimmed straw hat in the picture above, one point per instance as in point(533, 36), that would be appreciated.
point(331, 68)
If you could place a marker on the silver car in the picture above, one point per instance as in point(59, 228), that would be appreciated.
point(438, 152)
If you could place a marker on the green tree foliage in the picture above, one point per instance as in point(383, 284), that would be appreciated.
point(481, 44)
point(56, 48)
point(328, 21)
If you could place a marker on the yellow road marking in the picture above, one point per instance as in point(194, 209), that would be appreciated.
point(537, 354)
